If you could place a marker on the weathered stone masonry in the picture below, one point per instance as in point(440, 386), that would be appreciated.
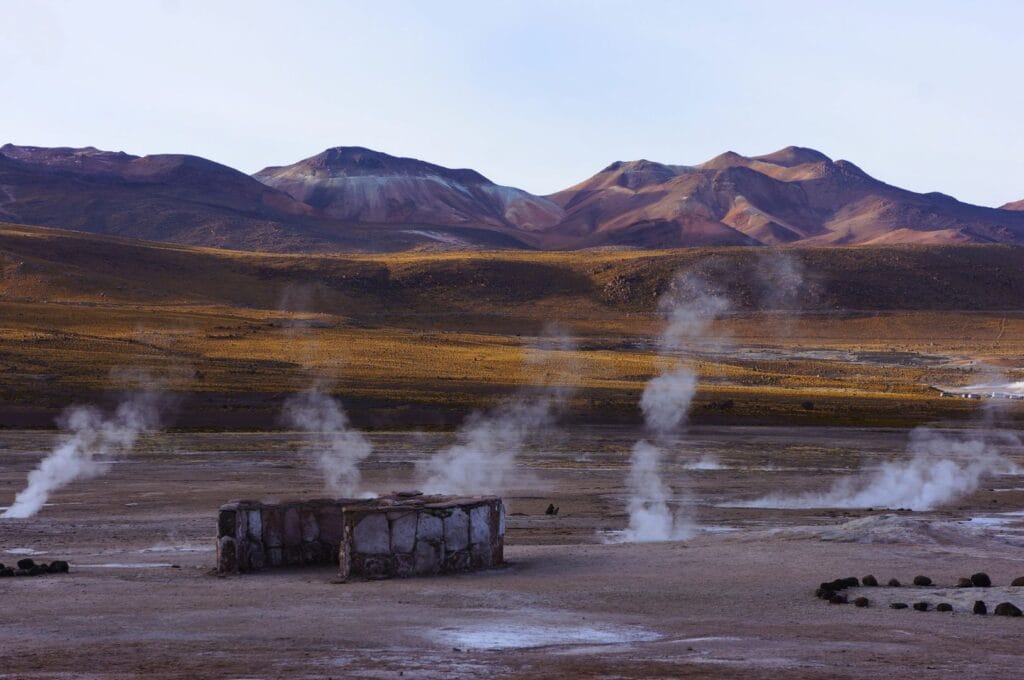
point(392, 536)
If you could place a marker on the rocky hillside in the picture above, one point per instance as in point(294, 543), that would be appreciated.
point(359, 185)
point(794, 195)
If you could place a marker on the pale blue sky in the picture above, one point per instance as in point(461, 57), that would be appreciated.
point(926, 95)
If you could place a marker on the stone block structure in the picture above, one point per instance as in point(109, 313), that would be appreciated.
point(392, 536)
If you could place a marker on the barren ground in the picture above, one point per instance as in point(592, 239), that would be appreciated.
point(736, 601)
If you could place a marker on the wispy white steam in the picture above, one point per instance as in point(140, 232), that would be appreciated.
point(483, 458)
point(689, 309)
point(705, 463)
point(335, 447)
point(92, 440)
point(666, 399)
point(942, 468)
point(650, 518)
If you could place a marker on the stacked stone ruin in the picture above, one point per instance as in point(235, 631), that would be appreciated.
point(392, 536)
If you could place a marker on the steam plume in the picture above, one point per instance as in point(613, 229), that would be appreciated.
point(942, 468)
point(336, 448)
point(483, 458)
point(92, 440)
point(689, 310)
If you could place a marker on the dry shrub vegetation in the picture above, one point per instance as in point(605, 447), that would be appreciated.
point(418, 339)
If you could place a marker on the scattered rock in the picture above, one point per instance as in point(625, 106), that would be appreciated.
point(980, 608)
point(963, 583)
point(1007, 609)
point(6, 571)
point(26, 563)
point(59, 567)
point(21, 572)
point(921, 606)
point(1019, 581)
point(898, 605)
point(922, 581)
point(861, 602)
point(894, 583)
point(824, 593)
point(851, 581)
point(37, 570)
point(869, 581)
point(552, 510)
point(837, 599)
point(981, 580)
point(943, 607)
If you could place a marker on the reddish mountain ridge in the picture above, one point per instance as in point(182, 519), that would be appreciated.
point(176, 198)
point(355, 199)
point(792, 195)
point(359, 185)
point(189, 200)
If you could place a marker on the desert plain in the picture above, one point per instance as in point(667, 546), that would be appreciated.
point(737, 600)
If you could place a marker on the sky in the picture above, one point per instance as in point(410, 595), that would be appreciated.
point(922, 94)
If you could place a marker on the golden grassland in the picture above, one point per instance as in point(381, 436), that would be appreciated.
point(418, 339)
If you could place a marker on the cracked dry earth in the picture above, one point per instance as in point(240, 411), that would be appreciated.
point(736, 601)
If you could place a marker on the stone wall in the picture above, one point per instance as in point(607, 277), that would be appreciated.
point(392, 536)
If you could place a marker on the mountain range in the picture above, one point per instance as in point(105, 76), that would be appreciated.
point(352, 198)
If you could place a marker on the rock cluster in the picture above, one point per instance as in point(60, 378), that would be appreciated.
point(28, 567)
point(832, 592)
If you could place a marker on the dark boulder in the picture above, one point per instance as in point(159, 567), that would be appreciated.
point(943, 607)
point(861, 602)
point(980, 608)
point(898, 605)
point(869, 581)
point(851, 582)
point(26, 563)
point(922, 581)
point(1019, 581)
point(824, 593)
point(21, 572)
point(37, 570)
point(963, 583)
point(59, 567)
point(894, 583)
point(1006, 609)
point(981, 580)
point(552, 510)
point(837, 599)
point(6, 571)
point(921, 606)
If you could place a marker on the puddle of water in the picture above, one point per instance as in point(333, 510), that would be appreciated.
point(126, 565)
point(511, 636)
point(24, 551)
point(1006, 521)
point(989, 521)
point(178, 549)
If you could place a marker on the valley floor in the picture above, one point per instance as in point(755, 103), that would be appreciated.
point(735, 601)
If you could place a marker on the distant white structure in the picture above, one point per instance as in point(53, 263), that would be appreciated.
point(1014, 390)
